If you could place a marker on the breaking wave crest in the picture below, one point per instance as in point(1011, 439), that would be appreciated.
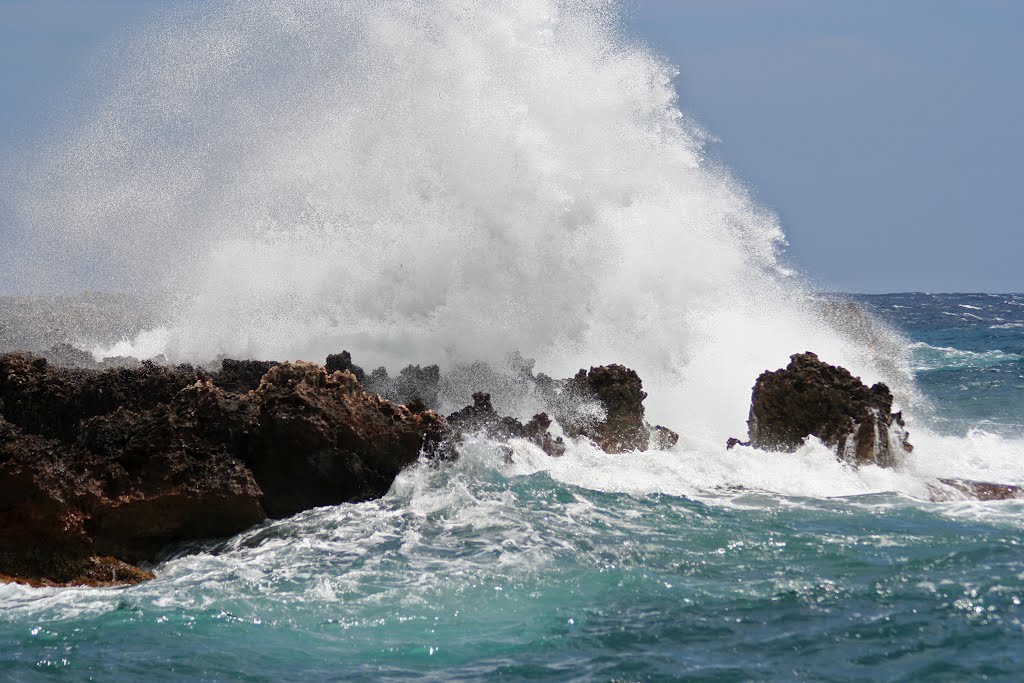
point(432, 182)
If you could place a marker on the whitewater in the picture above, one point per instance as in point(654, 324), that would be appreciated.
point(457, 181)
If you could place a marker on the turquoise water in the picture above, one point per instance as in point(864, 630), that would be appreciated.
point(686, 564)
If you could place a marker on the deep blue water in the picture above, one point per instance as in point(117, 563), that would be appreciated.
point(607, 568)
point(968, 352)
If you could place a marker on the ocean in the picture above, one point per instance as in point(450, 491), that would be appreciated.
point(459, 181)
point(681, 565)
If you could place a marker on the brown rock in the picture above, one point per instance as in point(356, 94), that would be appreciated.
point(323, 440)
point(482, 418)
point(119, 463)
point(342, 362)
point(53, 402)
point(810, 397)
point(131, 484)
point(619, 391)
point(240, 376)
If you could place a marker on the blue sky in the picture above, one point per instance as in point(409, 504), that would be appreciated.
point(888, 136)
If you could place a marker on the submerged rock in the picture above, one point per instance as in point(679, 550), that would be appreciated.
point(812, 398)
point(943, 490)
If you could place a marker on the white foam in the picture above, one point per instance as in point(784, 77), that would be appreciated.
point(145, 345)
point(431, 182)
point(928, 357)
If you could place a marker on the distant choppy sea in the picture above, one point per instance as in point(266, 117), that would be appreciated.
point(692, 564)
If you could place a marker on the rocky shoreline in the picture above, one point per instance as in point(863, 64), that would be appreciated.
point(102, 468)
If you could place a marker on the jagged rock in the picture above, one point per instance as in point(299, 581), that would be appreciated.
point(117, 464)
point(102, 468)
point(323, 440)
point(65, 355)
point(482, 418)
point(172, 473)
point(128, 485)
point(663, 438)
point(241, 376)
point(620, 394)
point(53, 402)
point(810, 397)
point(413, 383)
point(342, 362)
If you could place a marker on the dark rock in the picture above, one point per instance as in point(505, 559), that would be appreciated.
point(342, 362)
point(117, 464)
point(65, 355)
point(619, 391)
point(323, 440)
point(129, 485)
point(663, 438)
point(172, 473)
point(413, 383)
point(810, 397)
point(240, 376)
point(102, 468)
point(53, 402)
point(481, 418)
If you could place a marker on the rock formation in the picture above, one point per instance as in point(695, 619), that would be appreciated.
point(99, 469)
point(619, 425)
point(483, 419)
point(321, 439)
point(942, 490)
point(812, 398)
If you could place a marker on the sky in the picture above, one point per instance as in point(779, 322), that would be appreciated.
point(887, 135)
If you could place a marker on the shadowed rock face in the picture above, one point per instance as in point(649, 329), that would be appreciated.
point(241, 376)
point(482, 418)
point(809, 397)
point(98, 469)
point(128, 486)
point(53, 402)
point(322, 439)
point(619, 391)
point(103, 468)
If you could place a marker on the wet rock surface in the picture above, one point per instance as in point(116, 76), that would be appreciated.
point(620, 427)
point(481, 418)
point(943, 490)
point(322, 439)
point(812, 398)
point(101, 469)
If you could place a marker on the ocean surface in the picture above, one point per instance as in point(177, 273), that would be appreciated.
point(691, 564)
